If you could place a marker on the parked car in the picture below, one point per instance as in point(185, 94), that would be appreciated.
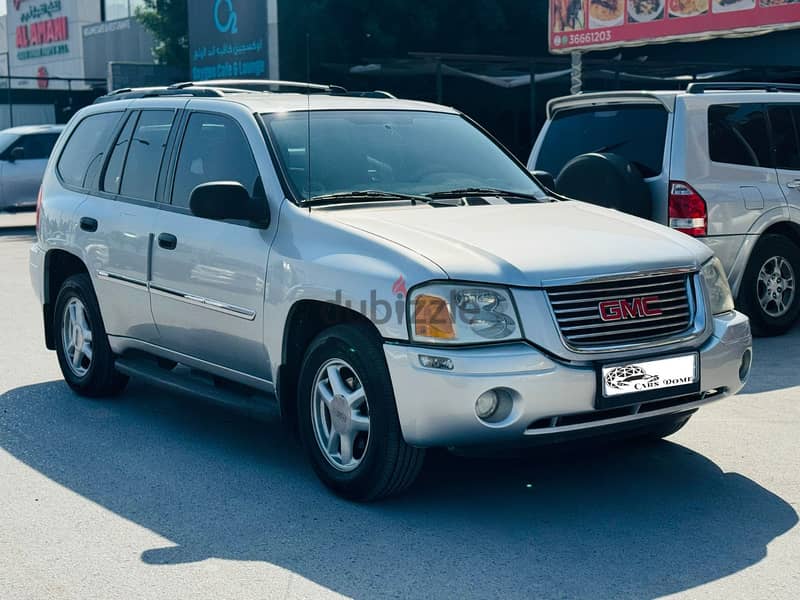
point(720, 162)
point(386, 271)
point(23, 157)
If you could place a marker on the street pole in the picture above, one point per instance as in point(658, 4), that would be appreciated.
point(8, 90)
point(576, 80)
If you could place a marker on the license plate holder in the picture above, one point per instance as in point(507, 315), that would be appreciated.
point(647, 380)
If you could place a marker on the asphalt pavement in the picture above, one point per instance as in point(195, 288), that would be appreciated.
point(157, 495)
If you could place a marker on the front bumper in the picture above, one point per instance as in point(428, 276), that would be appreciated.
point(550, 397)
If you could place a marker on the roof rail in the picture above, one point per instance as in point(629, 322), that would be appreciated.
point(701, 88)
point(217, 88)
point(156, 92)
point(267, 85)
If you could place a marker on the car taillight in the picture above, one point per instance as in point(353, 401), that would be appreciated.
point(687, 209)
point(38, 209)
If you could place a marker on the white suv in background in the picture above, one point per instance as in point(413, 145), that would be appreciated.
point(720, 162)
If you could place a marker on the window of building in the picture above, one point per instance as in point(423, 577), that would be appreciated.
point(121, 9)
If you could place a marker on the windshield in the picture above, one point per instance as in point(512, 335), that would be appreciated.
point(6, 140)
point(401, 152)
point(635, 132)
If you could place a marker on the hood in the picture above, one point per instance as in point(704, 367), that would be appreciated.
point(529, 244)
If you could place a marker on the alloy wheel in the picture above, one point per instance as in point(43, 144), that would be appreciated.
point(76, 335)
point(340, 413)
point(776, 286)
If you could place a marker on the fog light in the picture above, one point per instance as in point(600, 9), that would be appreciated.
point(744, 368)
point(486, 405)
point(436, 362)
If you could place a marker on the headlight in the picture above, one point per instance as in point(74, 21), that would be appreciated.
point(462, 314)
point(719, 291)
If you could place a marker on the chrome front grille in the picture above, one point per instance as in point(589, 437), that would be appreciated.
point(626, 311)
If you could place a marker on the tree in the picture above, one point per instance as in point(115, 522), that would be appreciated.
point(168, 21)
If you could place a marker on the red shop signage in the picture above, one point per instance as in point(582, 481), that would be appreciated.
point(42, 32)
point(596, 24)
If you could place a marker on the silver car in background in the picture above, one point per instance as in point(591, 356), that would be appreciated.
point(24, 152)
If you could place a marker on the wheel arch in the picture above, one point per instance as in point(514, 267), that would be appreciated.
point(305, 321)
point(59, 265)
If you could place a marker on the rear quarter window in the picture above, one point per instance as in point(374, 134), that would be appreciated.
point(82, 157)
point(637, 132)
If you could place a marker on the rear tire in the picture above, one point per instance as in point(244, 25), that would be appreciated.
point(347, 417)
point(84, 354)
point(770, 295)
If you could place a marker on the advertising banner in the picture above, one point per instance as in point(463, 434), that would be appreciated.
point(598, 24)
point(44, 40)
point(230, 39)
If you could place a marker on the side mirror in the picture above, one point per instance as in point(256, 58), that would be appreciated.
point(220, 200)
point(17, 153)
point(546, 179)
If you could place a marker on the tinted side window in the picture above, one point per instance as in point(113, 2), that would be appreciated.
point(783, 119)
point(37, 146)
point(737, 135)
point(147, 146)
point(113, 175)
point(83, 154)
point(214, 149)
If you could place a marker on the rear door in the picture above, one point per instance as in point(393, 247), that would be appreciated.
point(740, 184)
point(208, 277)
point(785, 125)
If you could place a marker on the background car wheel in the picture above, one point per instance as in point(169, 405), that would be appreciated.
point(347, 417)
point(84, 354)
point(770, 294)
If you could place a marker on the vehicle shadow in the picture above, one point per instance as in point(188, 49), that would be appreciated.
point(619, 521)
point(775, 363)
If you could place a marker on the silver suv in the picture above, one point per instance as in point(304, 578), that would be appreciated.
point(382, 269)
point(720, 162)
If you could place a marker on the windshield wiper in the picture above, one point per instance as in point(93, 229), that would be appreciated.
point(365, 195)
point(475, 191)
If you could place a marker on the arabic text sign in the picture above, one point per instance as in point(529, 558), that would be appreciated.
point(597, 24)
point(228, 39)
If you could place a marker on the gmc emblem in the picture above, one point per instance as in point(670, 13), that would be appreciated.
point(635, 308)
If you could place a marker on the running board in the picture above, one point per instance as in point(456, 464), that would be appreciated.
point(184, 380)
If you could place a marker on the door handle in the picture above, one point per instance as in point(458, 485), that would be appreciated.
point(794, 185)
point(89, 224)
point(167, 241)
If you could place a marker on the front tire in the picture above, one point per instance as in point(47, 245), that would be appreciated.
point(347, 417)
point(84, 354)
point(770, 294)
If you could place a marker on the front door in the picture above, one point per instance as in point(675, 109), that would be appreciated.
point(208, 277)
